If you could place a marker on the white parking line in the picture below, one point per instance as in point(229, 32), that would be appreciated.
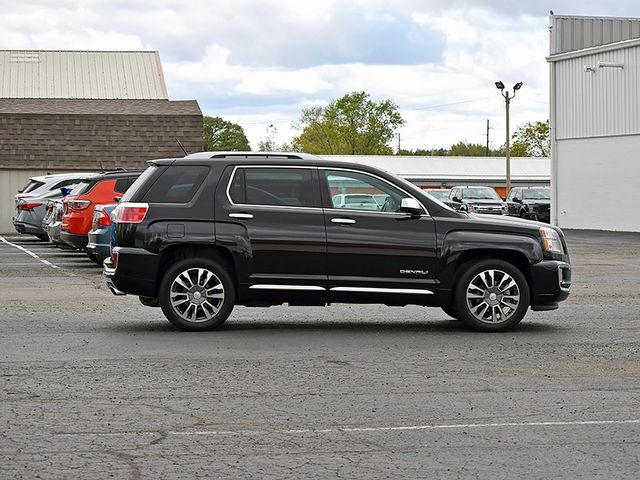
point(306, 431)
point(409, 427)
point(28, 252)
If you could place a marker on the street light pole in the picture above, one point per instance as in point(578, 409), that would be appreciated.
point(507, 102)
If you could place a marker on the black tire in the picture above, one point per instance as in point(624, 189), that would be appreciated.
point(512, 317)
point(225, 305)
point(94, 258)
point(44, 238)
point(451, 312)
point(524, 214)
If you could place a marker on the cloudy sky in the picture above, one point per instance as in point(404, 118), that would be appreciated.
point(259, 62)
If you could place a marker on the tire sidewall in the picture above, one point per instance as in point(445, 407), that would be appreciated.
point(229, 294)
point(460, 300)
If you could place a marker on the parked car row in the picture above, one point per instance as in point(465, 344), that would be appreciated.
point(72, 210)
point(531, 203)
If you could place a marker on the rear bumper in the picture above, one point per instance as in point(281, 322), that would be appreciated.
point(76, 241)
point(135, 274)
point(551, 284)
point(99, 243)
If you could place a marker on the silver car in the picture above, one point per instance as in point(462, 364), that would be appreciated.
point(31, 201)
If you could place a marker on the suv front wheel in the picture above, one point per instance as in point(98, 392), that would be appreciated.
point(491, 296)
point(197, 294)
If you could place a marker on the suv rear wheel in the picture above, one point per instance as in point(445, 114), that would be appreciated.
point(197, 294)
point(491, 296)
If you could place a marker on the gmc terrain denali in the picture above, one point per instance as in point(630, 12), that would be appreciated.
point(203, 233)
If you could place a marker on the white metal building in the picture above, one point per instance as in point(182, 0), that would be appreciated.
point(436, 172)
point(595, 122)
point(81, 75)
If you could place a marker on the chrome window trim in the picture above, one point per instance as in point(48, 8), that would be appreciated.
point(315, 167)
point(233, 175)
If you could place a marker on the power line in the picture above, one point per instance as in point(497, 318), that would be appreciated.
point(429, 107)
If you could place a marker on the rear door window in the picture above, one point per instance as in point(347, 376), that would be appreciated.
point(279, 187)
point(177, 184)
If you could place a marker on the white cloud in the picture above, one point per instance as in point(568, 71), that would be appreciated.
point(259, 63)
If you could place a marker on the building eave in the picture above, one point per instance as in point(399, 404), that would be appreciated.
point(594, 50)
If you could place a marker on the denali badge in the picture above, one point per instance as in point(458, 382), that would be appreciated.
point(414, 272)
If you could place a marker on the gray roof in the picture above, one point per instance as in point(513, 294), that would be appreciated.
point(99, 107)
point(454, 168)
point(81, 74)
point(571, 32)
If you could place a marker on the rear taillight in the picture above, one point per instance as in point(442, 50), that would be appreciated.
point(28, 207)
point(115, 253)
point(79, 204)
point(103, 219)
point(130, 212)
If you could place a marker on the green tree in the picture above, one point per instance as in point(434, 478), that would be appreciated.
point(221, 135)
point(531, 140)
point(268, 145)
point(351, 125)
point(464, 149)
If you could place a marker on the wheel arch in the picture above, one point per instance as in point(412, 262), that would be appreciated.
point(462, 248)
point(175, 253)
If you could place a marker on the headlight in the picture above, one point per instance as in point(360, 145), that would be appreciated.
point(551, 240)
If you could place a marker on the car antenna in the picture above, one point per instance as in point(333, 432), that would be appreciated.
point(183, 149)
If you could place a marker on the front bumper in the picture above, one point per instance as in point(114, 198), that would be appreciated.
point(76, 241)
point(551, 284)
point(136, 272)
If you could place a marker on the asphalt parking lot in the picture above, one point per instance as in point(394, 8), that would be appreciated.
point(97, 386)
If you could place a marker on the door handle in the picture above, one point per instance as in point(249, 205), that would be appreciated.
point(344, 221)
point(245, 216)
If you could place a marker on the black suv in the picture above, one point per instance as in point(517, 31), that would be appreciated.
point(530, 202)
point(201, 234)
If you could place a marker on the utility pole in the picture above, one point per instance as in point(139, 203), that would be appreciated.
point(487, 153)
point(399, 143)
point(507, 101)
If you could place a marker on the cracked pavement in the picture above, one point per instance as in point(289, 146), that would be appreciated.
point(97, 386)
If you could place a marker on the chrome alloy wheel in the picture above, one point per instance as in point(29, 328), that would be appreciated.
point(493, 296)
point(196, 295)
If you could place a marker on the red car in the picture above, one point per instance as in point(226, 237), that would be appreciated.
point(79, 204)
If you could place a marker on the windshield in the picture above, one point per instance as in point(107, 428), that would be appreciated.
point(79, 187)
point(536, 194)
point(438, 194)
point(481, 193)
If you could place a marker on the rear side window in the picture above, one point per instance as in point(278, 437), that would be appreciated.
point(32, 185)
point(123, 184)
point(82, 187)
point(290, 187)
point(177, 184)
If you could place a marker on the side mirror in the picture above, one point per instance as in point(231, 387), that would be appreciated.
point(411, 206)
point(456, 199)
point(516, 199)
point(117, 199)
point(65, 191)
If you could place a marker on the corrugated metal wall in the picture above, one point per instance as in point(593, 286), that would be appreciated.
point(602, 102)
point(569, 33)
point(78, 74)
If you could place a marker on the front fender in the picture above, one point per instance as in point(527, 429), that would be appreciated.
point(457, 244)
